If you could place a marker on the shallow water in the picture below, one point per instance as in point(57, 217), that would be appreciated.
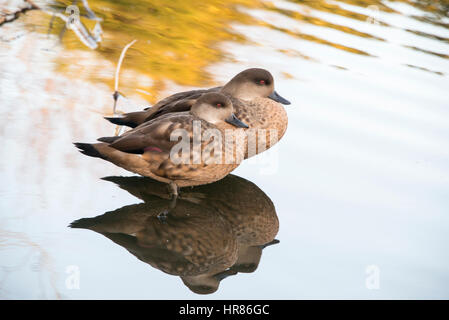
point(359, 182)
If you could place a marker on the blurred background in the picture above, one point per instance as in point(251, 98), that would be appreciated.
point(360, 181)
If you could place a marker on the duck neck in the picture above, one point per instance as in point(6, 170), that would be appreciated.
point(231, 89)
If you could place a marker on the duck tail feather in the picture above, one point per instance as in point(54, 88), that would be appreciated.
point(108, 139)
point(89, 150)
point(122, 121)
point(115, 179)
point(83, 223)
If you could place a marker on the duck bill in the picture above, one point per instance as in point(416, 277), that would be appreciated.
point(275, 241)
point(236, 122)
point(276, 97)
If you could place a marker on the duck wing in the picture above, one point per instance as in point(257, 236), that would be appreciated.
point(177, 102)
point(181, 101)
point(155, 135)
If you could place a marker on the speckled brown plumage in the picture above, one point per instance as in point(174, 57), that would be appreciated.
point(146, 149)
point(213, 230)
point(251, 105)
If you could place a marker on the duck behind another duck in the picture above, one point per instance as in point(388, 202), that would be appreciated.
point(254, 99)
point(147, 150)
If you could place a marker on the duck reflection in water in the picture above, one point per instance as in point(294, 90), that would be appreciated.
point(215, 231)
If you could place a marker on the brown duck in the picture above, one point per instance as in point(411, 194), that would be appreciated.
point(195, 244)
point(255, 102)
point(146, 150)
point(215, 231)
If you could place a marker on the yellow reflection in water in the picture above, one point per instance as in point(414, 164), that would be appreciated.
point(178, 39)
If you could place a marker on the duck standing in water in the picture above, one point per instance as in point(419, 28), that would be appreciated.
point(148, 150)
point(255, 102)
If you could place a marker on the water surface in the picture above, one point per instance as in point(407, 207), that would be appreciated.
point(359, 182)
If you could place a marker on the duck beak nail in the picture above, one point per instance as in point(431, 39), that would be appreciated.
point(275, 241)
point(276, 97)
point(236, 122)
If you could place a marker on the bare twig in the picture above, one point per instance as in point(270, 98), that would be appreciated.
point(116, 94)
point(90, 14)
point(50, 26)
point(80, 30)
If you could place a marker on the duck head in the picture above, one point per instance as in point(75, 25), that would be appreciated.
point(253, 83)
point(216, 108)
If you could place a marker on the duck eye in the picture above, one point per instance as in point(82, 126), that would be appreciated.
point(262, 82)
point(219, 105)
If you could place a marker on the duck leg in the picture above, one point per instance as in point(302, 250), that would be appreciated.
point(174, 193)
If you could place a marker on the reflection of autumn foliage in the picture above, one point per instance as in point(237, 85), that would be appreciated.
point(30, 255)
point(52, 95)
point(45, 112)
point(178, 39)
